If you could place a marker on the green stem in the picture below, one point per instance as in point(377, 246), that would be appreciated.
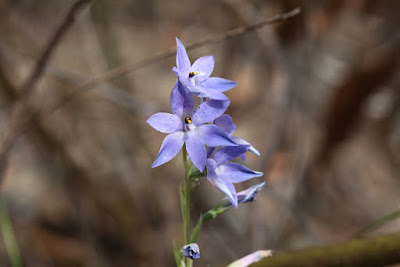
point(186, 196)
point(185, 201)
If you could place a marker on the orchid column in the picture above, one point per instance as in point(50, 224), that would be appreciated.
point(205, 134)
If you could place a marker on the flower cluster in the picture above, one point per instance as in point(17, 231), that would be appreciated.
point(205, 130)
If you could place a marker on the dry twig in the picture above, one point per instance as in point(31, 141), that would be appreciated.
point(19, 115)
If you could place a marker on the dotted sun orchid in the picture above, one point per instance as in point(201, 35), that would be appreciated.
point(197, 78)
point(189, 126)
point(222, 174)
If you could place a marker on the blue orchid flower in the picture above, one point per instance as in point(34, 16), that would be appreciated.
point(189, 126)
point(191, 251)
point(197, 78)
point(222, 174)
point(225, 122)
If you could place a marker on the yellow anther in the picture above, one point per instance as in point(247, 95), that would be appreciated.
point(191, 74)
point(188, 120)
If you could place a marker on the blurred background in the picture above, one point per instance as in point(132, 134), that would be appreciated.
point(318, 95)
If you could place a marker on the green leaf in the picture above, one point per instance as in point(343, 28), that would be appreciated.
point(179, 260)
point(211, 214)
point(196, 230)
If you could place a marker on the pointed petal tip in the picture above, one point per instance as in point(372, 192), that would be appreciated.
point(255, 151)
point(232, 199)
point(179, 43)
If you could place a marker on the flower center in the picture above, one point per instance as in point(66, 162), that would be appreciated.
point(191, 74)
point(188, 120)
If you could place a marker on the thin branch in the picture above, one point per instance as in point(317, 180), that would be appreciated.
point(122, 70)
point(52, 43)
point(119, 71)
point(378, 251)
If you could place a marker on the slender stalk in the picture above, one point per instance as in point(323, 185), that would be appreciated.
point(185, 201)
point(9, 239)
point(378, 223)
point(186, 193)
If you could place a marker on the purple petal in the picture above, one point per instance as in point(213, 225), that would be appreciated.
point(191, 251)
point(214, 136)
point(196, 149)
point(249, 194)
point(225, 122)
point(225, 187)
point(169, 148)
point(210, 151)
point(182, 59)
point(252, 258)
point(241, 141)
point(218, 84)
point(165, 122)
point(235, 172)
point(228, 153)
point(204, 66)
point(210, 93)
point(211, 166)
point(182, 78)
point(182, 102)
point(209, 111)
point(197, 91)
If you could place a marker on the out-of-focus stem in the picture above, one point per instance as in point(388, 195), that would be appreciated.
point(9, 240)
